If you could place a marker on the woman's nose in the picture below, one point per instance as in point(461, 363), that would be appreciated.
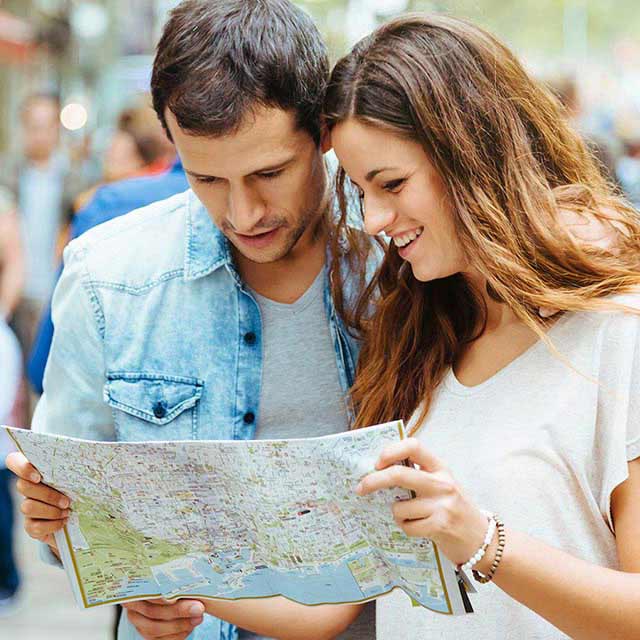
point(378, 216)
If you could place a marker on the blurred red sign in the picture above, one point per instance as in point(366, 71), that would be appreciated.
point(17, 38)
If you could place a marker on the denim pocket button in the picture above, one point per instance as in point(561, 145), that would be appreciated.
point(159, 410)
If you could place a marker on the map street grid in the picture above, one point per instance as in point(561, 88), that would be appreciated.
point(236, 519)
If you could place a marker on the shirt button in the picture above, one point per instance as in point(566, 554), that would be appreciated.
point(249, 417)
point(159, 410)
point(250, 338)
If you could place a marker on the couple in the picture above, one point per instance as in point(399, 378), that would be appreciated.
point(229, 312)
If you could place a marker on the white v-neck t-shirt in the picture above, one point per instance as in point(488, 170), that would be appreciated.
point(543, 445)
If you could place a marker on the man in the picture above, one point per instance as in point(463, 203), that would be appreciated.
point(208, 315)
point(41, 180)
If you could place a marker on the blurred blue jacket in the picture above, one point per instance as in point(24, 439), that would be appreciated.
point(109, 201)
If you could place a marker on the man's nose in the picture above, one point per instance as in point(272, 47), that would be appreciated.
point(246, 209)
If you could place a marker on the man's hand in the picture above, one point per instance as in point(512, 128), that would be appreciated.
point(166, 619)
point(45, 509)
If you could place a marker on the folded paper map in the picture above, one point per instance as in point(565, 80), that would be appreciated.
point(236, 519)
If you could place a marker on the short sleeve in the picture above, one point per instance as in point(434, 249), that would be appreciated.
point(618, 430)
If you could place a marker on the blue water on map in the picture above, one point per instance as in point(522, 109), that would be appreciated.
point(332, 583)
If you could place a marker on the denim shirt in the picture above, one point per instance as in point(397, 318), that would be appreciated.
point(157, 338)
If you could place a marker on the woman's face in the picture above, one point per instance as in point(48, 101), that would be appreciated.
point(403, 197)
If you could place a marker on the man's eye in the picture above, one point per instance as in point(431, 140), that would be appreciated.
point(207, 180)
point(394, 185)
point(271, 174)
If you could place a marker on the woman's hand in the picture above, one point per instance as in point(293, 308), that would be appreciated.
point(440, 511)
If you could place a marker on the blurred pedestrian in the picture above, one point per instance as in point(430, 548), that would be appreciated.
point(602, 147)
point(40, 178)
point(138, 147)
point(10, 375)
point(11, 262)
point(628, 170)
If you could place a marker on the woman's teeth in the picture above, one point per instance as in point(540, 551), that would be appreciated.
point(406, 238)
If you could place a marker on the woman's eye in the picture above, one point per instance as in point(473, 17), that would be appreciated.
point(393, 185)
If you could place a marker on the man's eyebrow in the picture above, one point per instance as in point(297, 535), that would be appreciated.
point(268, 169)
point(374, 172)
point(199, 176)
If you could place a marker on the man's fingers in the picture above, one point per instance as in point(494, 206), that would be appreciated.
point(18, 463)
point(42, 493)
point(153, 628)
point(41, 511)
point(40, 529)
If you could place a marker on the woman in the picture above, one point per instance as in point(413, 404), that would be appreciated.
point(468, 166)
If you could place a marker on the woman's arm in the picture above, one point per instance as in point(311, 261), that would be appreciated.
point(11, 264)
point(273, 617)
point(583, 600)
point(286, 620)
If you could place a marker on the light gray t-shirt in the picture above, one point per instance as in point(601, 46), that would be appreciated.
point(543, 445)
point(301, 395)
point(41, 196)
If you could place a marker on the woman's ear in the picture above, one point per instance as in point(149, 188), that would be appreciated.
point(325, 138)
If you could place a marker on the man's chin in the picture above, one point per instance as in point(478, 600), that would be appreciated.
point(261, 256)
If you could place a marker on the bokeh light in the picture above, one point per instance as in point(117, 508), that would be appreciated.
point(73, 116)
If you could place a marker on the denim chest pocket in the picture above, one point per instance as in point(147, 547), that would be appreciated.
point(153, 406)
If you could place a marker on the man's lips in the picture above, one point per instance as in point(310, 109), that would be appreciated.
point(258, 240)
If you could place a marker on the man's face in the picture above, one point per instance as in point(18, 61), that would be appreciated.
point(40, 129)
point(264, 186)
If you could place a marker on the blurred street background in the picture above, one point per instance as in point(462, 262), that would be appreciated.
point(75, 116)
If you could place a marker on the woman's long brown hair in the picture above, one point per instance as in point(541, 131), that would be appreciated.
point(510, 163)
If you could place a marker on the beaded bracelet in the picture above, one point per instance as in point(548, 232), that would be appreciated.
point(496, 561)
point(479, 554)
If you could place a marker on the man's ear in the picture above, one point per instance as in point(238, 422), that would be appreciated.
point(325, 138)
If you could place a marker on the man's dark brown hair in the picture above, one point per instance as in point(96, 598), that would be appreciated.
point(218, 60)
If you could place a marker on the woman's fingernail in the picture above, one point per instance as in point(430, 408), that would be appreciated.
point(359, 488)
point(64, 503)
point(196, 610)
point(35, 477)
point(196, 621)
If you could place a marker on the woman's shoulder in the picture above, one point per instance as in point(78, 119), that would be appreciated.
point(615, 308)
point(619, 325)
point(613, 328)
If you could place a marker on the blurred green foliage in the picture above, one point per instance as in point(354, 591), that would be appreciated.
point(550, 27)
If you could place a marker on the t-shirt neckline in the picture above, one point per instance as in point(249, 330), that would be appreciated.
point(453, 385)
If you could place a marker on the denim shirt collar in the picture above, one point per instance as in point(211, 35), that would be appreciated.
point(207, 248)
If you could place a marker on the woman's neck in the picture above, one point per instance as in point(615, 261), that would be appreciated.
point(498, 314)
